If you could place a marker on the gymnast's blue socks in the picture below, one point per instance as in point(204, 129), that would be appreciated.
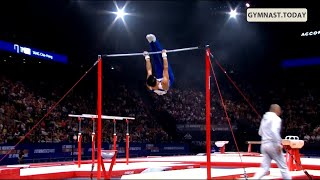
point(151, 38)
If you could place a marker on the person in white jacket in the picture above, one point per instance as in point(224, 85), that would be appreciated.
point(271, 145)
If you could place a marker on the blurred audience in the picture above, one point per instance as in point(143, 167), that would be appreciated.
point(21, 108)
point(300, 108)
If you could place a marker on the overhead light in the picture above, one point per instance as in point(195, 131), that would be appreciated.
point(233, 13)
point(4, 60)
point(10, 56)
point(120, 13)
point(39, 62)
point(24, 59)
point(247, 5)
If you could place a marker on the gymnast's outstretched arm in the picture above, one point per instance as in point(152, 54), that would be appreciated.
point(165, 80)
point(148, 63)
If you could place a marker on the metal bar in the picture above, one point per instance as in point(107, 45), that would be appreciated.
point(103, 117)
point(158, 52)
point(74, 115)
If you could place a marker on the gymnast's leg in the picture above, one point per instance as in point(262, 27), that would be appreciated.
point(155, 46)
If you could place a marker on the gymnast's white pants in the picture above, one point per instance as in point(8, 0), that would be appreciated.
point(270, 152)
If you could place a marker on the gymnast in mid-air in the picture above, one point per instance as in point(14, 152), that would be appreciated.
point(163, 78)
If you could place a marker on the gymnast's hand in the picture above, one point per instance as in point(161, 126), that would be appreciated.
point(164, 53)
point(145, 53)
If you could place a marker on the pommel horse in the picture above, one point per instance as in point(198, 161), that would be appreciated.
point(292, 145)
point(221, 145)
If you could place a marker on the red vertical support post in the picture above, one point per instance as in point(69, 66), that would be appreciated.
point(93, 148)
point(298, 160)
point(127, 142)
point(99, 111)
point(114, 135)
point(249, 148)
point(93, 141)
point(208, 120)
point(79, 143)
point(79, 149)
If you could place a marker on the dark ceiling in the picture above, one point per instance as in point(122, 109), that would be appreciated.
point(81, 30)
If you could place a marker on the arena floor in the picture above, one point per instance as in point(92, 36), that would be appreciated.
point(176, 167)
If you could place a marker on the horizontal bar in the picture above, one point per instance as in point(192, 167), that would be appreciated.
point(73, 115)
point(103, 117)
point(158, 52)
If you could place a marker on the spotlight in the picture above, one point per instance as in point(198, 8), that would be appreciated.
point(233, 13)
point(112, 68)
point(120, 13)
point(247, 5)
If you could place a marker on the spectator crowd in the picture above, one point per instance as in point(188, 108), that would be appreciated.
point(300, 106)
point(22, 107)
